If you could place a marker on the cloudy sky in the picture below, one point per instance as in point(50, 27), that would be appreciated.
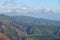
point(49, 9)
point(26, 6)
point(30, 3)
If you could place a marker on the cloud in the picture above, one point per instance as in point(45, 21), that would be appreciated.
point(5, 10)
point(9, 3)
point(26, 9)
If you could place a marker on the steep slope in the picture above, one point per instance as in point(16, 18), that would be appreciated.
point(3, 37)
point(38, 25)
point(9, 30)
point(29, 28)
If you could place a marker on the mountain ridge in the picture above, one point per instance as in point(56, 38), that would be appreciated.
point(21, 27)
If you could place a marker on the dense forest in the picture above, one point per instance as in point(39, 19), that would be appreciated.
point(28, 28)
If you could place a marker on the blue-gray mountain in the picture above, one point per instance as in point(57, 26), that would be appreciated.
point(27, 27)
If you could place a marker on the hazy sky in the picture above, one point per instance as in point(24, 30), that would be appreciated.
point(30, 3)
point(50, 8)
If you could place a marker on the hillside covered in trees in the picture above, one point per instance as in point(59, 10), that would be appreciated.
point(28, 28)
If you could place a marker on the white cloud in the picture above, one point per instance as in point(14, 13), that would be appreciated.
point(25, 9)
point(9, 3)
point(5, 10)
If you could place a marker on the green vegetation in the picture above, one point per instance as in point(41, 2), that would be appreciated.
point(29, 28)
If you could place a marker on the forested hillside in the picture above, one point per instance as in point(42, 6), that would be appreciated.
point(28, 28)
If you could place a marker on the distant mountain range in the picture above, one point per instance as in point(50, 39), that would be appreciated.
point(47, 13)
point(29, 28)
